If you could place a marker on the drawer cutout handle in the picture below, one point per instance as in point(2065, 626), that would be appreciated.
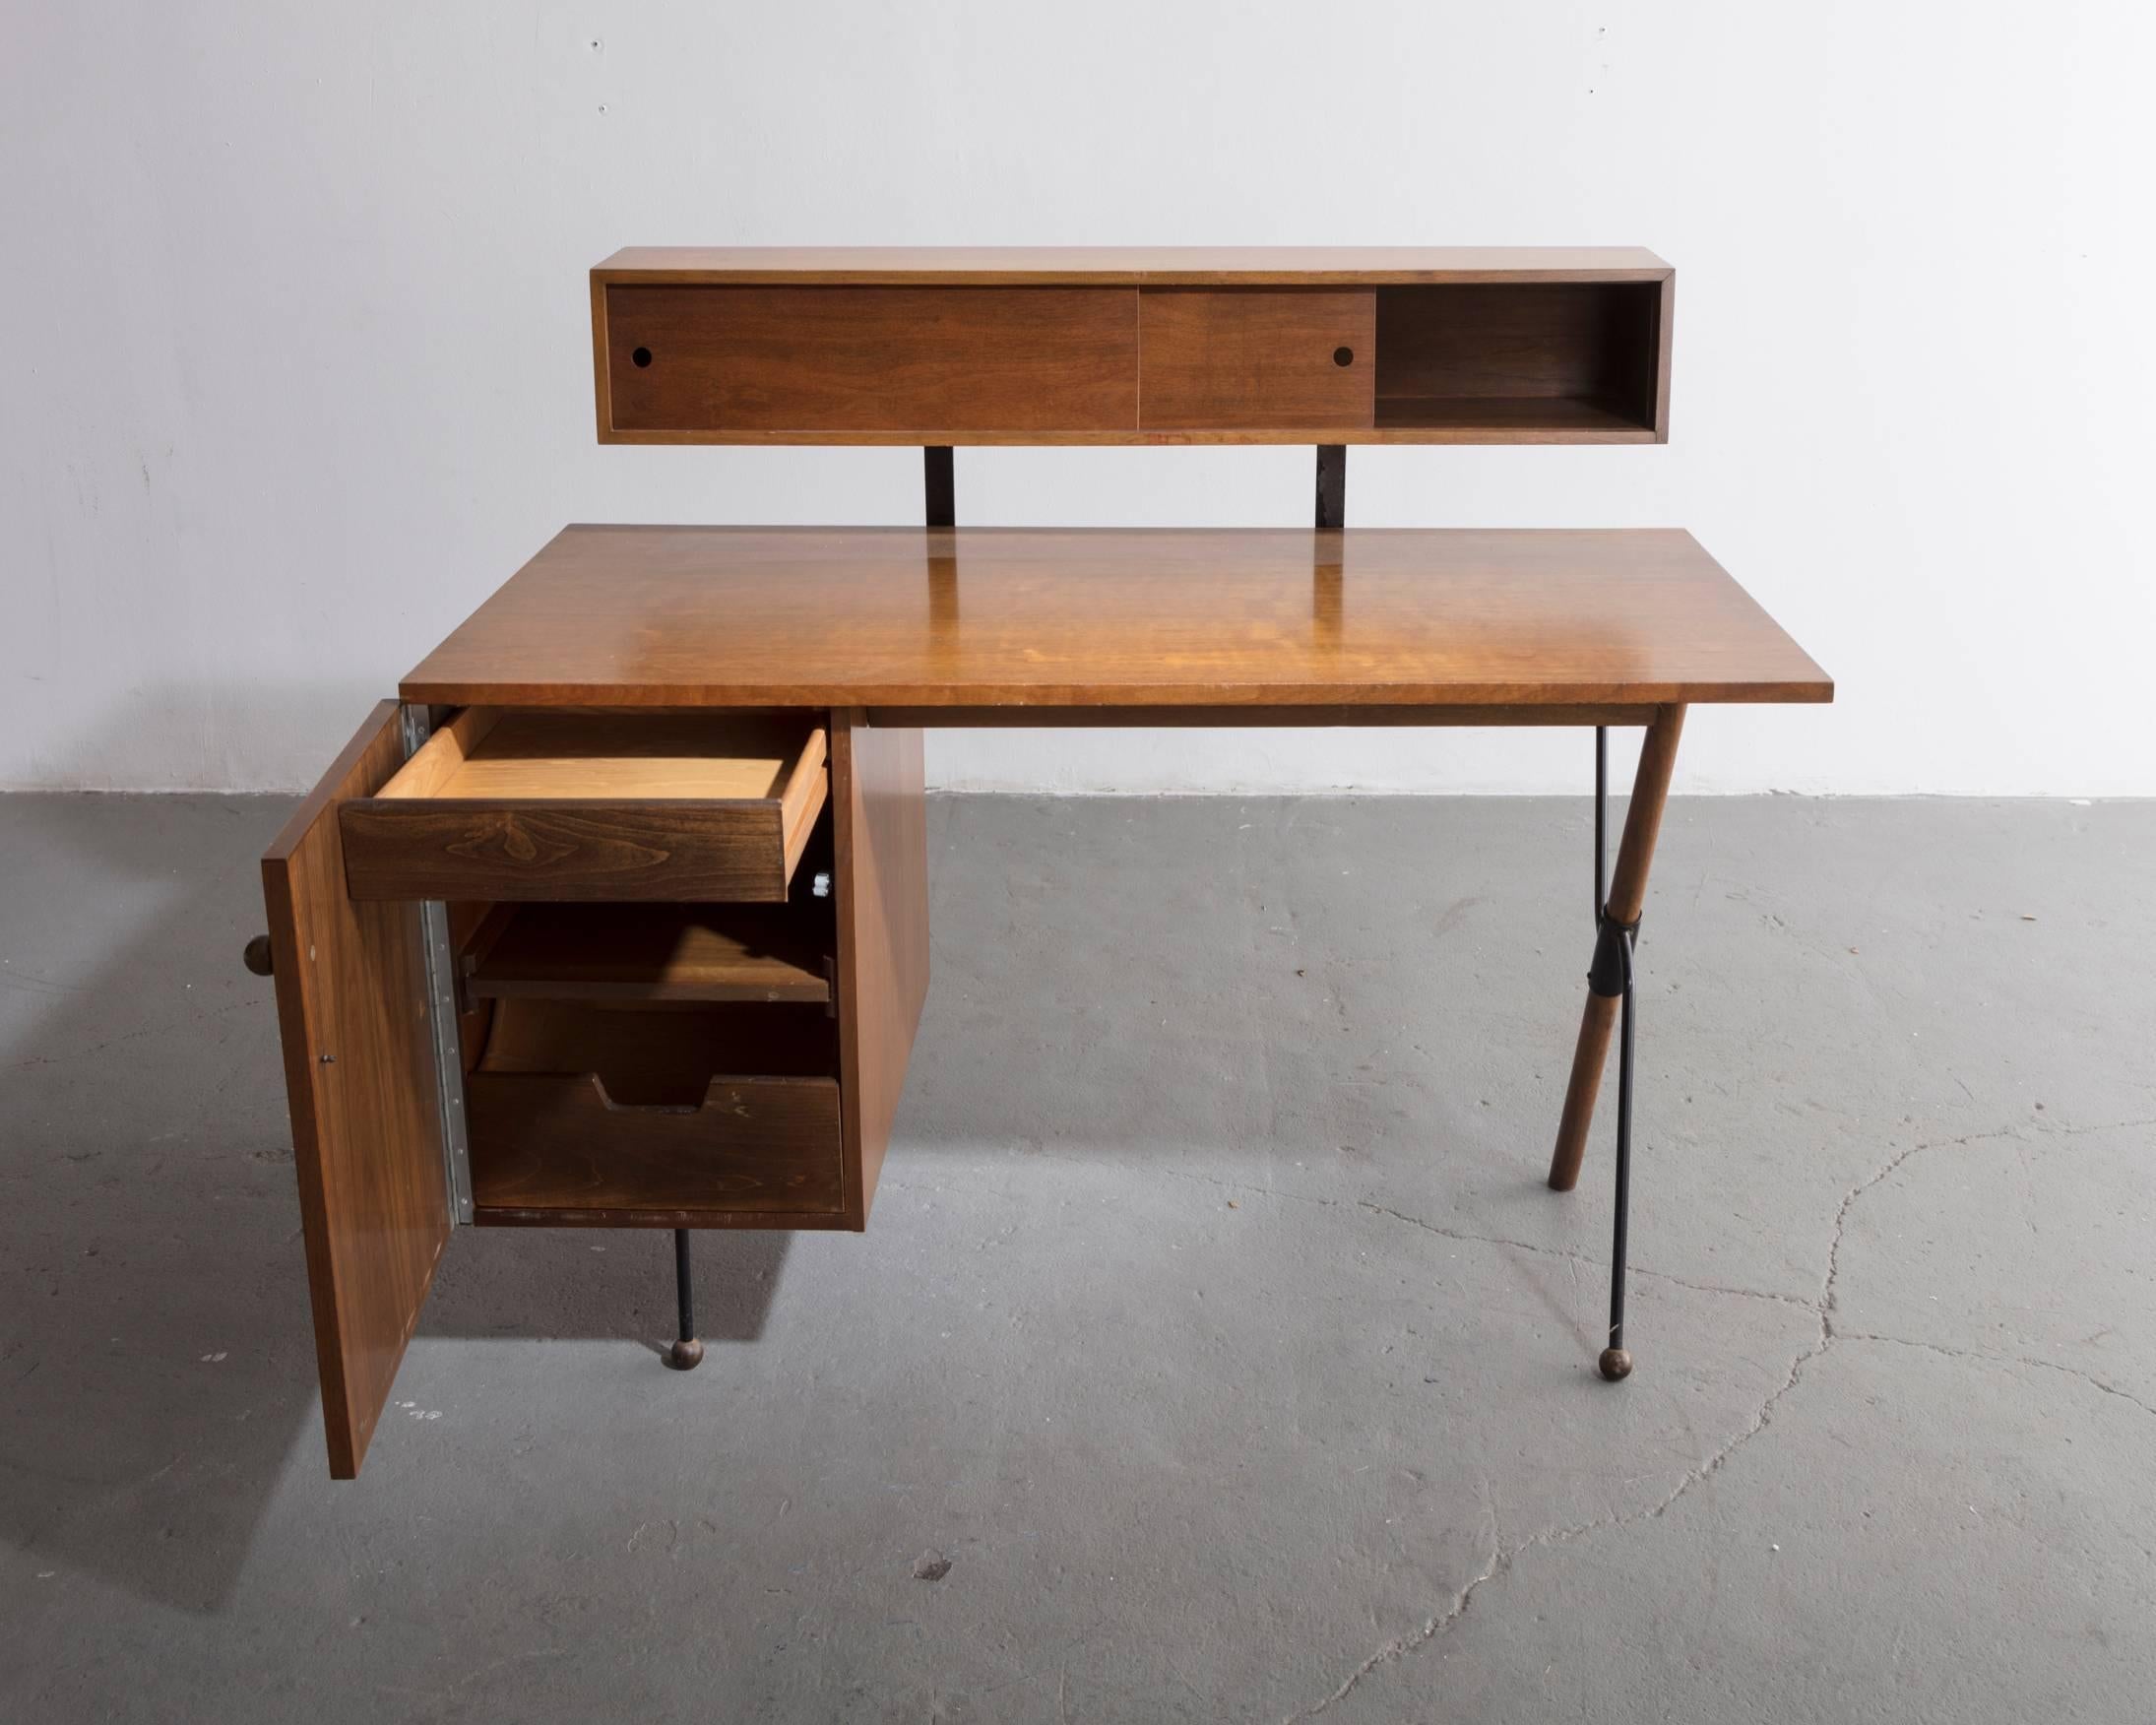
point(643, 357)
point(1341, 356)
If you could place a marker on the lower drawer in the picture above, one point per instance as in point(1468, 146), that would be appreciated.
point(554, 1148)
point(655, 1115)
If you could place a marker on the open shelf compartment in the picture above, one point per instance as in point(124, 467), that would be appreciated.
point(1543, 361)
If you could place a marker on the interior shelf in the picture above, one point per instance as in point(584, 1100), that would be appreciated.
point(1512, 415)
point(656, 952)
point(657, 1054)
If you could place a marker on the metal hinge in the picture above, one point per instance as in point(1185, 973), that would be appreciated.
point(440, 968)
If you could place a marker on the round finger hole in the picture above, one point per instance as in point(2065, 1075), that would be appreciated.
point(643, 357)
point(1341, 356)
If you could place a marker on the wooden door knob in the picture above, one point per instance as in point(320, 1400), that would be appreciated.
point(258, 956)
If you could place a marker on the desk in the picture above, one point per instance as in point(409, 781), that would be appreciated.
point(618, 916)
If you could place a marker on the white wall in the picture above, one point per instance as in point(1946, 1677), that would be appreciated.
point(295, 364)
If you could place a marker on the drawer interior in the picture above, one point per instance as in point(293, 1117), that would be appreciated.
point(503, 754)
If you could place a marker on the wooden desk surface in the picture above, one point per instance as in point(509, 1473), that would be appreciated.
point(1035, 621)
point(1129, 266)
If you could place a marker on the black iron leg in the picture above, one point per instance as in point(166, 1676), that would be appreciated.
point(1602, 798)
point(1616, 1361)
point(1611, 973)
point(1332, 486)
point(939, 485)
point(1610, 992)
point(687, 1353)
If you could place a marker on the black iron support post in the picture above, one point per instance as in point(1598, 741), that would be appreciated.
point(1332, 486)
point(939, 471)
point(1601, 797)
point(687, 1353)
point(1617, 1362)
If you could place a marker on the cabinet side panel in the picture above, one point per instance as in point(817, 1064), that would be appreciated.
point(359, 1072)
point(601, 387)
point(882, 845)
point(1665, 336)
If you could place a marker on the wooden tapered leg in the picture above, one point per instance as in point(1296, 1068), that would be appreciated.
point(1588, 1053)
point(1628, 895)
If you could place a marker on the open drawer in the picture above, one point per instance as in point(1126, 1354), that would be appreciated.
point(709, 1115)
point(501, 804)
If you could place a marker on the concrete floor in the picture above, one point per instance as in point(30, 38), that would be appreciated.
point(1214, 1326)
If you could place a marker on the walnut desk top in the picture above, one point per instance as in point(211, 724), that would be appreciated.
point(994, 625)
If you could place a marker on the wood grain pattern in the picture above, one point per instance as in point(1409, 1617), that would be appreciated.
point(552, 1142)
point(1628, 899)
point(359, 1073)
point(565, 852)
point(661, 952)
point(1085, 621)
point(593, 806)
point(882, 851)
point(1130, 265)
point(925, 361)
point(1255, 358)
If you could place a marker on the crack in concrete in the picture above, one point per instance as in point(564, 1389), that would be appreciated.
point(1551, 1538)
point(1406, 1644)
point(1467, 1237)
point(1580, 1257)
point(1985, 1358)
point(1823, 1309)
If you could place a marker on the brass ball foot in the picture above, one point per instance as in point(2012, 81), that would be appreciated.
point(686, 1356)
point(1615, 1364)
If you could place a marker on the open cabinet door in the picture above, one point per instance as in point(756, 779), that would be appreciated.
point(359, 1068)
